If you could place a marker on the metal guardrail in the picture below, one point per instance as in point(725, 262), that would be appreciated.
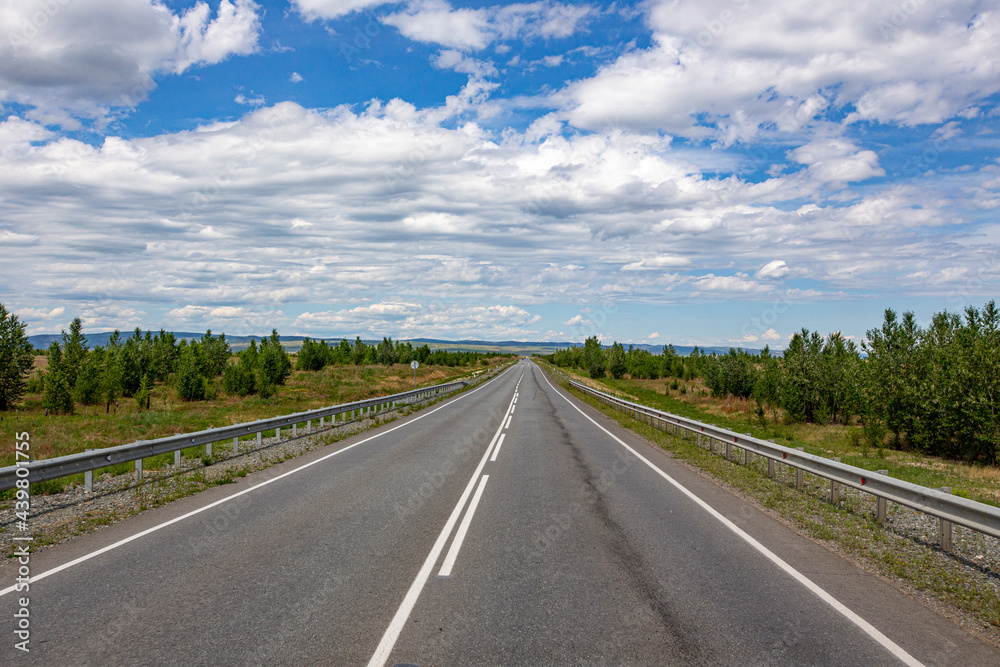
point(72, 464)
point(948, 508)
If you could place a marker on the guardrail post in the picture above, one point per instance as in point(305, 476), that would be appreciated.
point(138, 470)
point(260, 438)
point(746, 454)
point(798, 471)
point(236, 445)
point(321, 422)
point(944, 526)
point(835, 487)
point(277, 433)
point(770, 463)
point(699, 439)
point(729, 450)
point(880, 502)
point(177, 458)
point(208, 450)
point(309, 426)
point(88, 479)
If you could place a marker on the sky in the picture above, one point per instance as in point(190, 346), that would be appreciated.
point(714, 172)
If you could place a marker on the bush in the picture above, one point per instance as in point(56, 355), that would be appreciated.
point(36, 383)
point(239, 379)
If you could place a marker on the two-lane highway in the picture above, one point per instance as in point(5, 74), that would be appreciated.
point(508, 525)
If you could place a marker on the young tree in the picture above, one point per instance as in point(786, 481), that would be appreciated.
point(87, 389)
point(594, 355)
point(239, 379)
point(273, 363)
point(190, 381)
point(111, 373)
point(215, 352)
point(57, 397)
point(131, 364)
point(313, 356)
point(358, 351)
point(75, 350)
point(142, 397)
point(386, 352)
point(16, 357)
point(341, 353)
point(164, 356)
point(890, 380)
point(616, 360)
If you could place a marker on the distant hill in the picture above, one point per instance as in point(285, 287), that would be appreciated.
point(294, 343)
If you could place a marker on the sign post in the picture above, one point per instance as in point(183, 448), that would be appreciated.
point(414, 365)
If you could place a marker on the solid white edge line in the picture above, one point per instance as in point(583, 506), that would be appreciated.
point(221, 501)
point(392, 632)
point(861, 623)
point(497, 450)
point(463, 528)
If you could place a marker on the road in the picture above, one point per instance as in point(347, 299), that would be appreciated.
point(509, 525)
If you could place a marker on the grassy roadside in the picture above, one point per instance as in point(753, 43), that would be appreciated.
point(852, 531)
point(974, 481)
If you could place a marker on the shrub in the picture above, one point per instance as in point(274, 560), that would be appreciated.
point(239, 379)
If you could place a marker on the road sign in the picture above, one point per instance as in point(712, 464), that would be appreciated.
point(414, 364)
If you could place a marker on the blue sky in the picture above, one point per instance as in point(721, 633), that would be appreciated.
point(720, 172)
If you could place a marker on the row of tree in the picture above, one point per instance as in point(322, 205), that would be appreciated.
point(933, 389)
point(616, 361)
point(130, 367)
point(315, 355)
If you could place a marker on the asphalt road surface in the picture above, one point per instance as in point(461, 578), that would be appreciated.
point(509, 525)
